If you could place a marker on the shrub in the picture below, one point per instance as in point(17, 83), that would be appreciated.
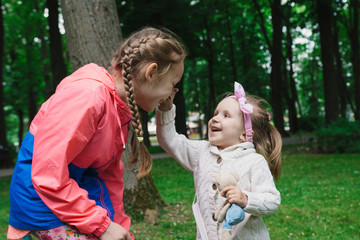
point(340, 136)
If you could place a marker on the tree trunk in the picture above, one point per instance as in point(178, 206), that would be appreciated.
point(331, 95)
point(93, 34)
point(179, 101)
point(31, 93)
point(92, 31)
point(292, 99)
point(276, 60)
point(231, 44)
point(355, 55)
point(210, 60)
point(20, 114)
point(5, 160)
point(58, 66)
point(344, 94)
point(275, 50)
point(46, 71)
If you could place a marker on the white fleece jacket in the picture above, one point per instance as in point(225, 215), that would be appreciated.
point(205, 161)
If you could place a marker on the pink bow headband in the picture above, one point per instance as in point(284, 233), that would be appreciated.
point(246, 108)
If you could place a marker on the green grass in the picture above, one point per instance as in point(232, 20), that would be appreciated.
point(4, 206)
point(155, 149)
point(320, 200)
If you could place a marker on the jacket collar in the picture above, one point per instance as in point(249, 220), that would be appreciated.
point(234, 151)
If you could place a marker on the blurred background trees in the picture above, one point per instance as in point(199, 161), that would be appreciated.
point(301, 56)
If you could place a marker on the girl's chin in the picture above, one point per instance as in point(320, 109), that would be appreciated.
point(148, 109)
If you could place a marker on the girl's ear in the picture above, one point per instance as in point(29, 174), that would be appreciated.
point(151, 71)
point(243, 137)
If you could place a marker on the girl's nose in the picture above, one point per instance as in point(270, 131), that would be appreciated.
point(215, 119)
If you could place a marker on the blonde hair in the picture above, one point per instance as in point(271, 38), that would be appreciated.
point(267, 139)
point(145, 46)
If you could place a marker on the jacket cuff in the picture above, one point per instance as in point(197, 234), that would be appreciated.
point(253, 202)
point(167, 116)
point(100, 231)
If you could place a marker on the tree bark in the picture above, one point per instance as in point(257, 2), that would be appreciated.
point(276, 60)
point(92, 31)
point(58, 66)
point(331, 94)
point(93, 34)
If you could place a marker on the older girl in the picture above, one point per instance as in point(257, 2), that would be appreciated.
point(67, 183)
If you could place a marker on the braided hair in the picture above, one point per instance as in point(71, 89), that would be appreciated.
point(145, 46)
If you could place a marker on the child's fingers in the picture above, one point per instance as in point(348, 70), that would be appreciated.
point(225, 190)
point(175, 90)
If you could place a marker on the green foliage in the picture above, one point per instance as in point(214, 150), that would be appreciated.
point(225, 41)
point(341, 136)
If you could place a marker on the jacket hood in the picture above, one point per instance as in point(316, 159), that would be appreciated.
point(90, 72)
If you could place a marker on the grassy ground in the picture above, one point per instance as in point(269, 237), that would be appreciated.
point(4, 206)
point(320, 200)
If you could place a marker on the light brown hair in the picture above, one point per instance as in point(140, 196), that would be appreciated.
point(267, 139)
point(149, 45)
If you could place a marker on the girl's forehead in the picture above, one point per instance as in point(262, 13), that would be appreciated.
point(229, 103)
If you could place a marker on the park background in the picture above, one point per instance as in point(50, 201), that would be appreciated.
point(301, 56)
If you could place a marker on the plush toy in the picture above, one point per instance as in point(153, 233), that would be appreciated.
point(232, 213)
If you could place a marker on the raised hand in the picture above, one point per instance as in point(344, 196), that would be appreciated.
point(166, 104)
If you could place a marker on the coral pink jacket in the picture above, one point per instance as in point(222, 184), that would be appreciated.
point(75, 141)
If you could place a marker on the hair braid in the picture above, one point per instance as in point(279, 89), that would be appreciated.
point(127, 59)
point(145, 46)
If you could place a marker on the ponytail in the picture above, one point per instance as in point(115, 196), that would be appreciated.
point(274, 158)
point(267, 139)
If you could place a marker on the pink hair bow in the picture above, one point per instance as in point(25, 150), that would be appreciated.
point(246, 108)
point(240, 96)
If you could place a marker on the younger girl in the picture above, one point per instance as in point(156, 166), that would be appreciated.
point(68, 179)
point(241, 139)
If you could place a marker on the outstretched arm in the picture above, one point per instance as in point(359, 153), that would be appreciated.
point(185, 151)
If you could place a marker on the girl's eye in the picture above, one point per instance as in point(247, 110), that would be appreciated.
point(227, 115)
